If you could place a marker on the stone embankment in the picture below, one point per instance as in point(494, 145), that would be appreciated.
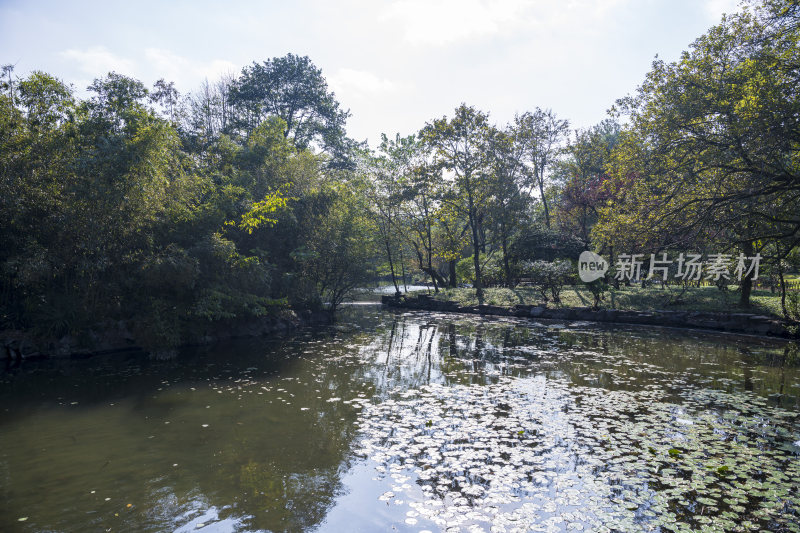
point(731, 322)
point(113, 337)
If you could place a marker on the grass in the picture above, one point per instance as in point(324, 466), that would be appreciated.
point(709, 299)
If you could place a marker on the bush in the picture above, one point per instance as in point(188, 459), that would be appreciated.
point(793, 305)
point(492, 273)
point(549, 278)
point(598, 289)
point(539, 243)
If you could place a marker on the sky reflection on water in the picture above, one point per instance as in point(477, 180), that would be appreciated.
point(414, 421)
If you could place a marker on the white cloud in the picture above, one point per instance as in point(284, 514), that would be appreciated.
point(97, 61)
point(397, 63)
point(715, 8)
point(440, 22)
point(150, 65)
point(183, 71)
point(361, 81)
point(217, 67)
point(446, 21)
point(165, 62)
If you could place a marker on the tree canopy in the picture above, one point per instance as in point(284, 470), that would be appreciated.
point(711, 154)
point(245, 198)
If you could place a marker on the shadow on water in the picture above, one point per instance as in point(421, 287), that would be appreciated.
point(450, 414)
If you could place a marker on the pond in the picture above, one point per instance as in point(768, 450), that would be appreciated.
point(411, 422)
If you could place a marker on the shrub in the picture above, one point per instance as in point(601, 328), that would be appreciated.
point(598, 289)
point(492, 273)
point(793, 305)
point(549, 278)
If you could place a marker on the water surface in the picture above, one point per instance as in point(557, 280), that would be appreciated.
point(412, 421)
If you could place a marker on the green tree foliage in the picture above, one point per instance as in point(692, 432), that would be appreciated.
point(510, 205)
point(539, 243)
point(460, 148)
point(464, 188)
point(549, 278)
point(586, 189)
point(541, 133)
point(294, 90)
point(712, 151)
point(113, 211)
point(390, 177)
point(340, 253)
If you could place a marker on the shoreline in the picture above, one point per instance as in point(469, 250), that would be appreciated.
point(115, 337)
point(742, 323)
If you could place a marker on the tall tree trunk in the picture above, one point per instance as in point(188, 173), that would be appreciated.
point(452, 268)
point(436, 279)
point(506, 266)
point(747, 288)
point(614, 280)
point(391, 267)
point(783, 290)
point(403, 266)
point(747, 281)
point(482, 233)
point(476, 256)
point(544, 203)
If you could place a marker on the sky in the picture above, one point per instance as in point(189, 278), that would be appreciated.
point(394, 64)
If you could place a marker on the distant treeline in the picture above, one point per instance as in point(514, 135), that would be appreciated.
point(247, 196)
point(703, 158)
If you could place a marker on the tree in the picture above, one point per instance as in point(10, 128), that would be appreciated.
point(340, 254)
point(166, 95)
point(585, 190)
point(293, 89)
point(114, 211)
point(451, 238)
point(117, 98)
point(7, 71)
point(460, 146)
point(713, 148)
point(389, 172)
point(210, 112)
point(542, 133)
point(549, 278)
point(509, 202)
point(46, 100)
point(422, 207)
point(36, 155)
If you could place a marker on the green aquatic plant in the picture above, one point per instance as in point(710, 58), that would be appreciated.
point(733, 461)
